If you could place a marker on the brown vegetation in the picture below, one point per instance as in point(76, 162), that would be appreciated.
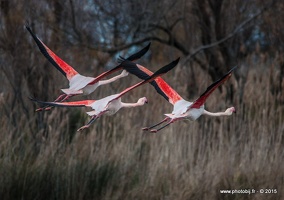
point(43, 157)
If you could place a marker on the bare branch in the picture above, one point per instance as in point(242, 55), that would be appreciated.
point(229, 36)
point(73, 20)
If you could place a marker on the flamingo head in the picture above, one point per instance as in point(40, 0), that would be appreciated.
point(124, 73)
point(230, 110)
point(142, 100)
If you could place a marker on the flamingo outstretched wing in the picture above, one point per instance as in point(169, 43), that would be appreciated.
point(82, 103)
point(201, 100)
point(133, 57)
point(158, 73)
point(161, 86)
point(60, 64)
point(136, 55)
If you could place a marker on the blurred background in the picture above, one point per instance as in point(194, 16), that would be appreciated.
point(43, 157)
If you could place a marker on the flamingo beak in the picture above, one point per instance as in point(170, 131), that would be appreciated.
point(146, 100)
point(234, 110)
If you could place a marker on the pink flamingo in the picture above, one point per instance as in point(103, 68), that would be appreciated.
point(111, 104)
point(182, 109)
point(79, 84)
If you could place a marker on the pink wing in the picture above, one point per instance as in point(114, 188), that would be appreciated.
point(62, 66)
point(201, 100)
point(82, 103)
point(158, 73)
point(158, 83)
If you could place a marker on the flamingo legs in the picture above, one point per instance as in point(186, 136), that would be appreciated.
point(61, 98)
point(93, 119)
point(150, 127)
point(167, 119)
point(89, 123)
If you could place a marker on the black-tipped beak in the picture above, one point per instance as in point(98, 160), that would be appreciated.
point(146, 100)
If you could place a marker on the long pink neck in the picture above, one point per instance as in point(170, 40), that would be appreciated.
point(131, 105)
point(216, 114)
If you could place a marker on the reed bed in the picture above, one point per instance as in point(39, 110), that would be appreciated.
point(43, 157)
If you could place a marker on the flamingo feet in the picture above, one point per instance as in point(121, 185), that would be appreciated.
point(83, 127)
point(149, 129)
point(146, 129)
point(48, 108)
point(43, 109)
point(39, 109)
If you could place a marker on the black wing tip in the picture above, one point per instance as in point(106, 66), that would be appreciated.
point(44, 51)
point(144, 50)
point(27, 25)
point(136, 55)
point(148, 46)
point(35, 100)
point(230, 71)
point(176, 61)
point(227, 75)
point(28, 28)
point(235, 67)
point(32, 98)
point(165, 69)
point(120, 59)
point(31, 32)
point(171, 64)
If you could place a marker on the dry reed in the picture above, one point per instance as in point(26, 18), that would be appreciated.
point(43, 157)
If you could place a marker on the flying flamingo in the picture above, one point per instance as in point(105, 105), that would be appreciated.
point(79, 84)
point(182, 109)
point(111, 104)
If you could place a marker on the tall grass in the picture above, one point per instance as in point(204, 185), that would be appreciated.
point(43, 157)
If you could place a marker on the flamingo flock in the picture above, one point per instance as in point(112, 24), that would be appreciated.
point(83, 85)
point(79, 84)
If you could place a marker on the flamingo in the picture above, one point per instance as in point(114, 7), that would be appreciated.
point(182, 109)
point(111, 104)
point(79, 84)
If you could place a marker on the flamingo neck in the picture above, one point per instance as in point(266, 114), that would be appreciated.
point(131, 105)
point(123, 74)
point(217, 114)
